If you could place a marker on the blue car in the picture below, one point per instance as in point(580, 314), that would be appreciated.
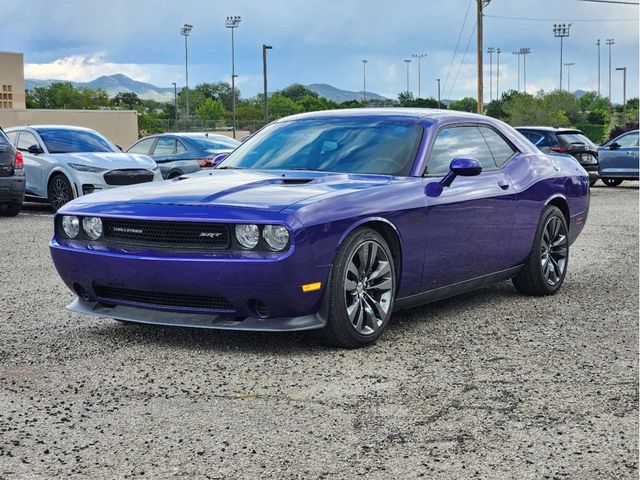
point(180, 153)
point(329, 221)
point(619, 159)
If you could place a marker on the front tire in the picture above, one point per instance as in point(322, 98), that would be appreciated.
point(59, 191)
point(611, 182)
point(546, 265)
point(362, 291)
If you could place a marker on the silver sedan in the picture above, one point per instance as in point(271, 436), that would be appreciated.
point(63, 162)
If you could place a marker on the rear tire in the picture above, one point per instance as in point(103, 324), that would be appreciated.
point(611, 182)
point(11, 210)
point(361, 291)
point(59, 191)
point(547, 263)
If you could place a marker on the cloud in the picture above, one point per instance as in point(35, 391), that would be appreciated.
point(83, 68)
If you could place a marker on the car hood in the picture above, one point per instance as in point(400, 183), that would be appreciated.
point(108, 160)
point(256, 189)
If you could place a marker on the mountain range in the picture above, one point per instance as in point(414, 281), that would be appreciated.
point(116, 83)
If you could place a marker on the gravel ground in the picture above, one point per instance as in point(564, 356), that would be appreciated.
point(489, 385)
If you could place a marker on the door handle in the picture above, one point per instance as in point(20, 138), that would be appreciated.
point(503, 184)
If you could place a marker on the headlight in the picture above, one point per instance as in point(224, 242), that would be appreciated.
point(247, 235)
point(276, 236)
point(155, 168)
point(87, 168)
point(92, 227)
point(71, 226)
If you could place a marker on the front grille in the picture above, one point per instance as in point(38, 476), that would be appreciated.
point(127, 295)
point(128, 176)
point(164, 234)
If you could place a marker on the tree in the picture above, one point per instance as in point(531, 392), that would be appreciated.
point(297, 92)
point(210, 110)
point(281, 106)
point(405, 99)
point(466, 104)
point(128, 100)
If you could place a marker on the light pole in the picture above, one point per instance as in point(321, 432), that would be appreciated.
point(524, 52)
point(175, 102)
point(610, 42)
point(233, 23)
point(569, 65)
point(185, 30)
point(264, 75)
point(439, 103)
point(498, 52)
point(598, 44)
point(419, 56)
point(624, 94)
point(490, 51)
point(518, 54)
point(407, 62)
point(364, 81)
point(561, 30)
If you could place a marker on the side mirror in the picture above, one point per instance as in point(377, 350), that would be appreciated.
point(614, 146)
point(217, 160)
point(119, 147)
point(461, 166)
point(34, 149)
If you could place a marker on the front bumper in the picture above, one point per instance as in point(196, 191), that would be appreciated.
point(85, 183)
point(273, 283)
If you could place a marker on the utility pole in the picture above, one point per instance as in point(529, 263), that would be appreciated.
point(407, 62)
point(561, 30)
point(490, 51)
point(610, 42)
point(569, 65)
point(264, 75)
point(175, 102)
point(185, 30)
point(624, 94)
point(364, 81)
point(524, 52)
point(439, 103)
point(598, 44)
point(233, 23)
point(479, 7)
point(418, 56)
point(517, 52)
point(498, 52)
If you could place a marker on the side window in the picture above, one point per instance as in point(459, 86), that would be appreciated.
point(165, 146)
point(180, 148)
point(142, 147)
point(499, 148)
point(25, 140)
point(455, 142)
point(629, 140)
point(13, 137)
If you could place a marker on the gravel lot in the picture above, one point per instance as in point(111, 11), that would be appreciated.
point(489, 385)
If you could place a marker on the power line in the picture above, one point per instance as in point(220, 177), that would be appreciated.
point(453, 85)
point(502, 17)
point(620, 2)
point(446, 80)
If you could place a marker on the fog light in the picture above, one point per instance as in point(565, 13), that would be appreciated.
point(71, 226)
point(277, 236)
point(92, 227)
point(247, 235)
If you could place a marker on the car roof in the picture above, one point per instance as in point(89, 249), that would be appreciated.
point(197, 134)
point(386, 112)
point(60, 127)
point(551, 129)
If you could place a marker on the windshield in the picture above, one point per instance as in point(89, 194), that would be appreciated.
point(66, 140)
point(331, 145)
point(217, 143)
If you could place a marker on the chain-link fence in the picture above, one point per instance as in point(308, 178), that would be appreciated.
point(147, 126)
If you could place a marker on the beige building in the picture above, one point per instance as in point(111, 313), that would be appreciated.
point(119, 126)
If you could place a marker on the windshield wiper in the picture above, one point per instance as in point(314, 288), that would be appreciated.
point(229, 168)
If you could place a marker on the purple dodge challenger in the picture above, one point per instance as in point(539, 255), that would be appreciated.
point(328, 221)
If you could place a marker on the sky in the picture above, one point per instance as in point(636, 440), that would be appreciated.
point(324, 41)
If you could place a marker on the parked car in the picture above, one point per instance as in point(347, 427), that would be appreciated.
point(619, 159)
point(565, 140)
point(63, 162)
point(330, 221)
point(180, 153)
point(11, 178)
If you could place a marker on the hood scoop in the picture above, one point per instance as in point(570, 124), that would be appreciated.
point(296, 181)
